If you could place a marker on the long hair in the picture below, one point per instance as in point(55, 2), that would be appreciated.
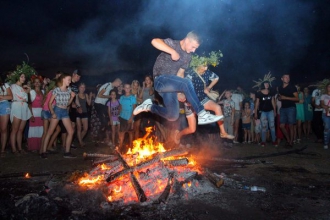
point(59, 81)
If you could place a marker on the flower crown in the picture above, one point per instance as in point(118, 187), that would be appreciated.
point(25, 69)
point(213, 59)
point(33, 77)
point(321, 85)
point(267, 78)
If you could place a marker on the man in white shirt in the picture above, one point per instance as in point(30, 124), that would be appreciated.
point(102, 98)
point(238, 99)
point(317, 123)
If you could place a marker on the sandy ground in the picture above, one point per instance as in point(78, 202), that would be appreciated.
point(296, 181)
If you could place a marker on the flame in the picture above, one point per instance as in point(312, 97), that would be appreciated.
point(104, 167)
point(117, 190)
point(27, 175)
point(144, 147)
point(110, 198)
point(87, 181)
point(189, 184)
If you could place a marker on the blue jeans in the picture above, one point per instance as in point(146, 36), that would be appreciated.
point(168, 86)
point(267, 119)
point(326, 123)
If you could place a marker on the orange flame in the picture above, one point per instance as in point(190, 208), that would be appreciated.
point(87, 181)
point(27, 175)
point(145, 147)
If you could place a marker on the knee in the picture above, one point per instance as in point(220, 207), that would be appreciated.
point(173, 116)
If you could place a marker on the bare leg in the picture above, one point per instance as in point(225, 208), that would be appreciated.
point(4, 131)
point(68, 126)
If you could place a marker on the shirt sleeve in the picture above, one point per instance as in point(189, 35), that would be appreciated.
point(55, 91)
point(213, 76)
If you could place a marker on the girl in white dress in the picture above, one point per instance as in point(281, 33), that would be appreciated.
point(19, 114)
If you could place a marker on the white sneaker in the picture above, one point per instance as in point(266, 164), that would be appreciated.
point(144, 107)
point(205, 117)
point(325, 147)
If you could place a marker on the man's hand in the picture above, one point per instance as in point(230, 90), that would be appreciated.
point(181, 97)
point(175, 56)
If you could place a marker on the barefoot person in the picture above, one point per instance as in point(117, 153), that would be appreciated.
point(168, 73)
point(203, 80)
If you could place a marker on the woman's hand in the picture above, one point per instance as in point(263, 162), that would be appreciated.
point(54, 116)
point(73, 95)
point(207, 90)
point(32, 118)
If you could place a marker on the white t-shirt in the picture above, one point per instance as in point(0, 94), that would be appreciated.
point(326, 100)
point(3, 90)
point(317, 95)
point(107, 87)
point(237, 98)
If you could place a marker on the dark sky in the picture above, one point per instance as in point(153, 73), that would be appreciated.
point(100, 37)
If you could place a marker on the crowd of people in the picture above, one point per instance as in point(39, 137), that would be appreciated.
point(174, 101)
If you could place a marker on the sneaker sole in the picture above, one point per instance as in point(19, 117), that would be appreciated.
point(215, 119)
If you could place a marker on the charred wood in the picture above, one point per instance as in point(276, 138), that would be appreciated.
point(163, 197)
point(177, 162)
point(217, 181)
point(90, 156)
point(132, 169)
point(137, 187)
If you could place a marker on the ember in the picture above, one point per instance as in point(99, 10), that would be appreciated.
point(27, 175)
point(145, 172)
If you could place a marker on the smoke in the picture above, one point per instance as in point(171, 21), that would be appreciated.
point(255, 36)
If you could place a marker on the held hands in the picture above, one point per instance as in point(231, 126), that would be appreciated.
point(181, 97)
point(54, 116)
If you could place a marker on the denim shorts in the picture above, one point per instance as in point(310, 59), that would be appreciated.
point(246, 126)
point(288, 116)
point(61, 113)
point(45, 115)
point(4, 108)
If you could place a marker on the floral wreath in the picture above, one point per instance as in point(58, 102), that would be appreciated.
point(25, 69)
point(213, 59)
point(321, 85)
point(33, 77)
point(267, 78)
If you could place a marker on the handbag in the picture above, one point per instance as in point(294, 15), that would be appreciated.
point(213, 95)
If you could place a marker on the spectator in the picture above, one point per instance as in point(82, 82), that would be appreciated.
point(325, 103)
point(288, 95)
point(5, 96)
point(317, 122)
point(308, 111)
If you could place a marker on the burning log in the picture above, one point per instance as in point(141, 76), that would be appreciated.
point(163, 197)
point(177, 162)
point(89, 156)
point(217, 181)
point(115, 166)
point(189, 178)
point(132, 169)
point(137, 188)
point(103, 160)
point(173, 153)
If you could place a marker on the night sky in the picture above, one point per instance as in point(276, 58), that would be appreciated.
point(104, 38)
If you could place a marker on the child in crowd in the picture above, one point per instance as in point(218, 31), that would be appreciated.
point(127, 105)
point(246, 122)
point(113, 112)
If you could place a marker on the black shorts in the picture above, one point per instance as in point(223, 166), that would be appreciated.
point(73, 114)
point(82, 115)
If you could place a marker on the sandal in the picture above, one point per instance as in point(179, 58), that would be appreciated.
point(16, 153)
point(22, 151)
